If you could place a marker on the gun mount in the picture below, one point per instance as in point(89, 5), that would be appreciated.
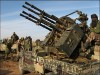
point(60, 36)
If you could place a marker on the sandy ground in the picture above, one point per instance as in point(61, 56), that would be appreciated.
point(10, 68)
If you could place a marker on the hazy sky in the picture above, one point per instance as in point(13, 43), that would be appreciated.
point(12, 22)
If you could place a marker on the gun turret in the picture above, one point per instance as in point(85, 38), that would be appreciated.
point(62, 39)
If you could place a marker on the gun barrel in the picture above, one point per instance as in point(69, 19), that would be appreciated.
point(50, 25)
point(27, 18)
point(42, 21)
point(49, 20)
point(36, 22)
point(31, 10)
point(30, 15)
point(72, 13)
point(46, 14)
point(33, 6)
point(46, 27)
point(40, 15)
point(39, 10)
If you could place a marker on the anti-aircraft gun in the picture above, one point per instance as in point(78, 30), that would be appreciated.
point(61, 43)
point(64, 34)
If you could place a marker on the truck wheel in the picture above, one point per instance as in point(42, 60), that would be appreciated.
point(21, 69)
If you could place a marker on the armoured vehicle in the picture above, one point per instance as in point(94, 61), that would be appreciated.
point(59, 53)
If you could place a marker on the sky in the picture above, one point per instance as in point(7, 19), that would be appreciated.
point(11, 21)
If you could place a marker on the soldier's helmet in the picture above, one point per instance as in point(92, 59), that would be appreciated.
point(94, 16)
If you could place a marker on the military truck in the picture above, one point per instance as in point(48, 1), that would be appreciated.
point(60, 52)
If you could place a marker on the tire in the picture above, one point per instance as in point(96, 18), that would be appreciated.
point(21, 68)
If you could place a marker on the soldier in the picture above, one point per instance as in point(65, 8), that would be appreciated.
point(94, 37)
point(94, 22)
point(28, 43)
point(14, 37)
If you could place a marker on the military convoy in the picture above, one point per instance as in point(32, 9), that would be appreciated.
point(60, 52)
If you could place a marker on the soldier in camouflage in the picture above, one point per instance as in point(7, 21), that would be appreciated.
point(94, 22)
point(94, 37)
point(14, 37)
point(28, 43)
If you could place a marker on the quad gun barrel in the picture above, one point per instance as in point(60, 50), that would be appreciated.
point(65, 34)
point(53, 17)
point(35, 22)
point(45, 20)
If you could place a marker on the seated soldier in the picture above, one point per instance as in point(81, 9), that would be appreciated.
point(94, 37)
